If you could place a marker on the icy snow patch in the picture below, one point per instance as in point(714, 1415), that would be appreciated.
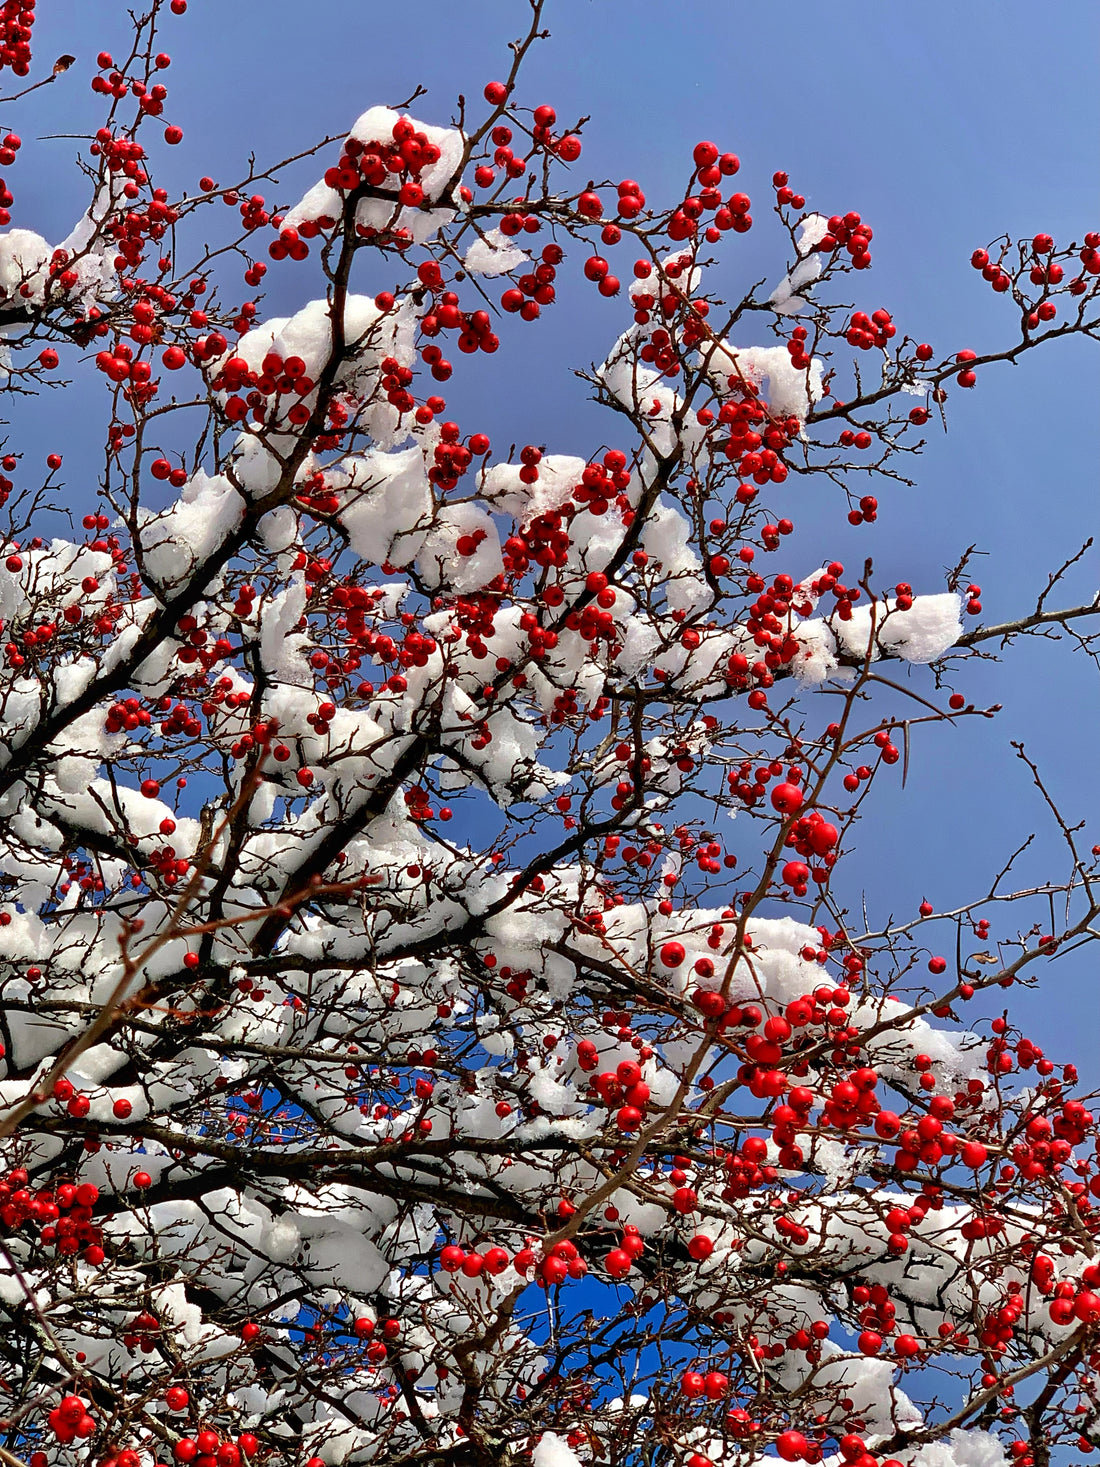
point(921, 634)
point(555, 1451)
point(494, 254)
point(176, 540)
point(388, 505)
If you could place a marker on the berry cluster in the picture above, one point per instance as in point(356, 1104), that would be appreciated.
point(62, 1214)
point(866, 331)
point(535, 288)
point(848, 232)
point(278, 379)
point(370, 166)
point(69, 1420)
point(16, 22)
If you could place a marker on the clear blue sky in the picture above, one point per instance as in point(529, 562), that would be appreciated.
point(943, 124)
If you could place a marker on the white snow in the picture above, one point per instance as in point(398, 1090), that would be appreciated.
point(387, 507)
point(555, 1451)
point(178, 539)
point(494, 253)
point(926, 631)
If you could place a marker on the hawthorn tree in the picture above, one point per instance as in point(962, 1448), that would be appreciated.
point(405, 1059)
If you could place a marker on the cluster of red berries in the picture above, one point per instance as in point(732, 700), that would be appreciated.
point(866, 512)
point(745, 783)
point(1070, 1302)
point(317, 497)
point(9, 146)
point(769, 619)
point(1045, 272)
point(141, 1333)
point(621, 1259)
point(813, 837)
point(453, 1259)
point(567, 147)
point(602, 484)
point(714, 1385)
point(503, 157)
point(475, 329)
point(661, 350)
point(62, 1214)
point(854, 438)
point(122, 155)
point(118, 365)
point(208, 1449)
point(597, 270)
point(291, 245)
point(451, 457)
point(78, 1105)
point(644, 302)
point(16, 22)
point(1089, 257)
point(373, 165)
point(877, 1311)
point(41, 641)
point(711, 167)
point(90, 883)
point(622, 1088)
point(277, 379)
point(756, 438)
point(378, 1349)
point(534, 288)
point(199, 648)
point(848, 232)
point(144, 309)
point(8, 464)
point(747, 1170)
point(708, 857)
point(785, 196)
point(830, 584)
point(178, 719)
point(593, 622)
point(562, 1262)
point(68, 1421)
point(418, 801)
point(126, 714)
point(998, 278)
point(675, 305)
point(150, 99)
point(161, 468)
point(794, 1446)
point(796, 349)
point(870, 331)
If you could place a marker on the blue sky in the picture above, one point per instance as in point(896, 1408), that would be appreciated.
point(943, 124)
